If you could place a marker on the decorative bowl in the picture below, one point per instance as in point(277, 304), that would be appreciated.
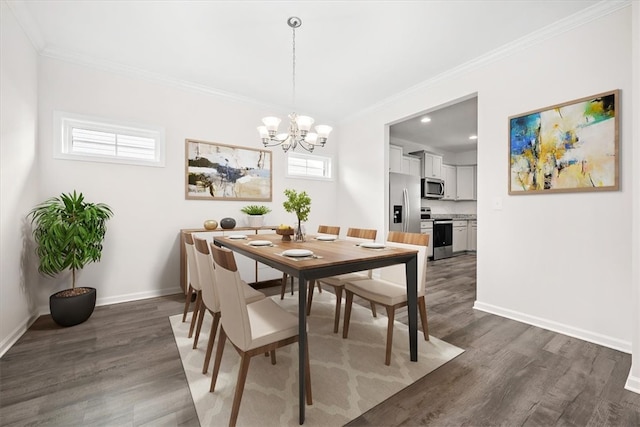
point(286, 233)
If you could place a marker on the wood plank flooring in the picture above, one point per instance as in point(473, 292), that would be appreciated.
point(122, 368)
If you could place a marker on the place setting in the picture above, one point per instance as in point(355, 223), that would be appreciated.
point(260, 243)
point(326, 238)
point(299, 254)
point(372, 245)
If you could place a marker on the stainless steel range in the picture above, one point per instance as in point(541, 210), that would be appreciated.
point(442, 238)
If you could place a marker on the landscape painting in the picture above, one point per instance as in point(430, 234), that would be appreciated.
point(565, 148)
point(227, 172)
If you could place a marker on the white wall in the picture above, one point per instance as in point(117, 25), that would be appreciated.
point(633, 382)
point(18, 176)
point(140, 257)
point(561, 261)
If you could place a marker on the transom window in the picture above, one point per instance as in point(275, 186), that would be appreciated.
point(87, 138)
point(308, 166)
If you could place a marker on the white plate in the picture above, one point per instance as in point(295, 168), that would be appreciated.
point(237, 236)
point(326, 238)
point(372, 245)
point(297, 252)
point(260, 243)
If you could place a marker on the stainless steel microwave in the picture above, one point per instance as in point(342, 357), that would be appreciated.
point(432, 188)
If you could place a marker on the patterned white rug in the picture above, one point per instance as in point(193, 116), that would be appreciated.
point(348, 376)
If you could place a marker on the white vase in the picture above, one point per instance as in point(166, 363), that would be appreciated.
point(256, 221)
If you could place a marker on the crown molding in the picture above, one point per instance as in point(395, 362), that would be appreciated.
point(125, 70)
point(27, 23)
point(584, 17)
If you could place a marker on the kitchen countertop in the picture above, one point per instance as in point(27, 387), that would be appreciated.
point(469, 217)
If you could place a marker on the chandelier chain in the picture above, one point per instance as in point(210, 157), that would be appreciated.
point(294, 68)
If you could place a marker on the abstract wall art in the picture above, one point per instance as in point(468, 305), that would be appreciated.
point(227, 172)
point(566, 147)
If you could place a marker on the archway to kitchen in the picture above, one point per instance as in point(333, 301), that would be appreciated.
point(438, 146)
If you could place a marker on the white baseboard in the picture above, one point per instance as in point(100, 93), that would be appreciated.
point(596, 338)
point(9, 341)
point(127, 297)
point(633, 383)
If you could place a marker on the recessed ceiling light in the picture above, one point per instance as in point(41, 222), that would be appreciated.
point(425, 119)
point(473, 137)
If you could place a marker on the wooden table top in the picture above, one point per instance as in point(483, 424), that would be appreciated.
point(341, 254)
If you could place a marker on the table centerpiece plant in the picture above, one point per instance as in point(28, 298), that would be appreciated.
point(300, 204)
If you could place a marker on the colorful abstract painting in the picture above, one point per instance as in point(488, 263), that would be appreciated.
point(227, 172)
point(567, 147)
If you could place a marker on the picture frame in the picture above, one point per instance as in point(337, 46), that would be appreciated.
point(215, 171)
point(568, 147)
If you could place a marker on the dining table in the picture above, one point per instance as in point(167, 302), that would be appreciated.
point(321, 256)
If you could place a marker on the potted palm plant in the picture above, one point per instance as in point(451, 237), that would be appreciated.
point(69, 232)
point(256, 214)
point(300, 204)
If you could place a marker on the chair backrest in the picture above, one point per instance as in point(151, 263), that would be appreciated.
point(206, 274)
point(362, 233)
point(233, 306)
point(194, 278)
point(329, 229)
point(397, 273)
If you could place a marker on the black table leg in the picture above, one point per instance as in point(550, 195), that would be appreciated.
point(302, 341)
point(411, 268)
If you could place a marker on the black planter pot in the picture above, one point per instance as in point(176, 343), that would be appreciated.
point(72, 310)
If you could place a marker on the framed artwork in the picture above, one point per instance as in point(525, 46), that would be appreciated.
point(567, 147)
point(227, 172)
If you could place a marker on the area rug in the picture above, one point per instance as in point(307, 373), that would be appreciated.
point(348, 376)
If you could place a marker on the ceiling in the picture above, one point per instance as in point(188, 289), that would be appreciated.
point(449, 129)
point(350, 55)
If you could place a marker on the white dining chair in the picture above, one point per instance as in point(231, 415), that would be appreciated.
point(390, 290)
point(256, 328)
point(210, 301)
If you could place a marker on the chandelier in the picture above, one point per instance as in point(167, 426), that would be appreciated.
point(298, 134)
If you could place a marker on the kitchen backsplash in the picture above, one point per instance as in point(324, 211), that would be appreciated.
point(439, 207)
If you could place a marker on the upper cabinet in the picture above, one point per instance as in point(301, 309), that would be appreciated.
point(450, 179)
point(400, 163)
point(411, 165)
point(432, 166)
point(466, 182)
point(395, 158)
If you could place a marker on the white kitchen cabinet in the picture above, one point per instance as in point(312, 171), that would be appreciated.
point(395, 158)
point(432, 165)
point(466, 182)
point(472, 239)
point(450, 179)
point(411, 165)
point(426, 227)
point(460, 235)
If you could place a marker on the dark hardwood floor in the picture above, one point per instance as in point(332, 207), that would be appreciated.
point(122, 368)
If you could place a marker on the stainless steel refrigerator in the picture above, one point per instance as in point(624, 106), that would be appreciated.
point(404, 202)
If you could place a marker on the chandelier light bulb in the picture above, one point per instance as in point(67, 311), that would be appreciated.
point(304, 123)
point(271, 123)
point(311, 138)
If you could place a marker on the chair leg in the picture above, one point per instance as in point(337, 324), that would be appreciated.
point(203, 310)
point(284, 285)
point(242, 378)
point(273, 357)
point(422, 306)
point(373, 309)
point(196, 310)
point(216, 364)
point(336, 320)
point(391, 313)
point(319, 288)
point(291, 285)
point(212, 337)
point(187, 303)
point(312, 285)
point(347, 313)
